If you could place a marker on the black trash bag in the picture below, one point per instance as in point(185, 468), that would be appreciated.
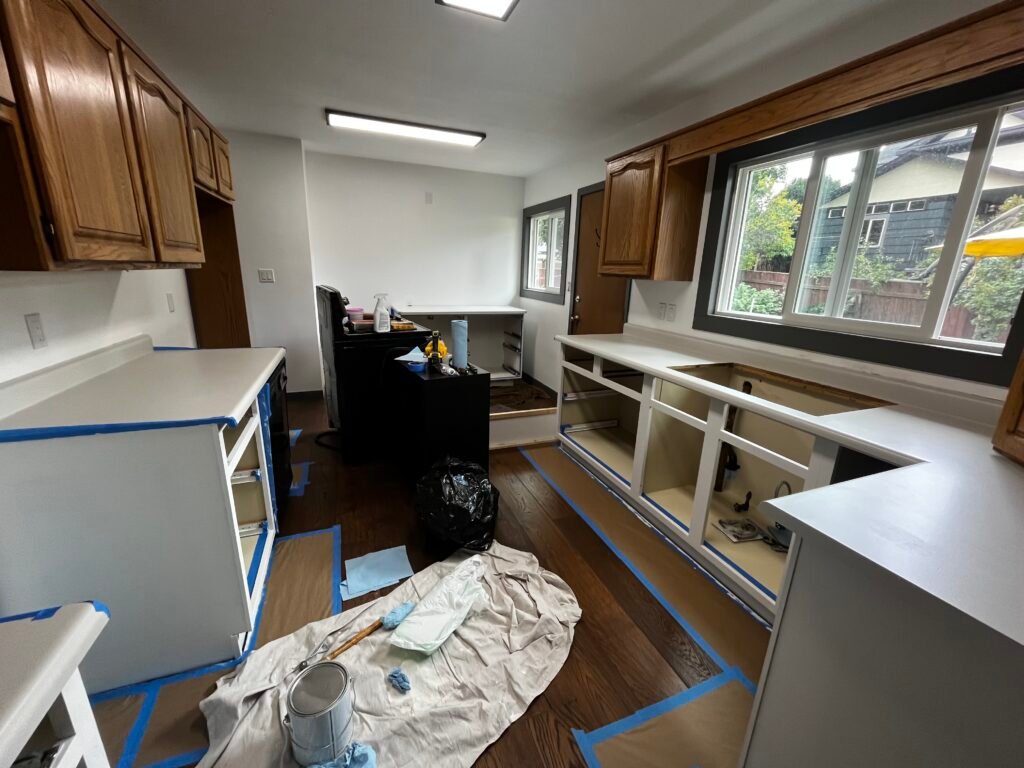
point(457, 505)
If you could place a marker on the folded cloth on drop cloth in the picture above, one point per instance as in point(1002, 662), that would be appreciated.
point(467, 693)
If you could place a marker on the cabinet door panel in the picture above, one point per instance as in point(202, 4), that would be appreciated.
point(225, 181)
point(1009, 435)
point(201, 141)
point(6, 91)
point(159, 120)
point(630, 219)
point(76, 107)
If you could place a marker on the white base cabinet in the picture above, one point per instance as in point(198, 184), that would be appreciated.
point(167, 521)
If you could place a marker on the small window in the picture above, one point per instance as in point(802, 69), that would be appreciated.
point(879, 208)
point(900, 207)
point(545, 245)
point(836, 213)
point(916, 205)
point(871, 233)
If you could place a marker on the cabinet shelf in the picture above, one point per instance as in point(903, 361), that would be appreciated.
point(676, 502)
point(613, 446)
point(755, 560)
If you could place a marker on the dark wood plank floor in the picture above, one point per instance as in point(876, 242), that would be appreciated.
point(628, 653)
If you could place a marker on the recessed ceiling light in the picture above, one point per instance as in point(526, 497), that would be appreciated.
point(371, 124)
point(496, 9)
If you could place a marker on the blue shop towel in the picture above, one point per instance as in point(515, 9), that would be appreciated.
point(375, 571)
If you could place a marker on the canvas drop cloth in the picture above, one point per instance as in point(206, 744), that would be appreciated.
point(463, 696)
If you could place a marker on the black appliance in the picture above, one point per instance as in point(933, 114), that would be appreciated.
point(354, 370)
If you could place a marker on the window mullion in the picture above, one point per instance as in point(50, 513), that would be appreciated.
point(849, 240)
point(803, 236)
point(971, 184)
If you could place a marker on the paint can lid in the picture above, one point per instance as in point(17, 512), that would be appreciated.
point(317, 688)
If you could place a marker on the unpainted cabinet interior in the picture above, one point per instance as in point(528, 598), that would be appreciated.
point(601, 421)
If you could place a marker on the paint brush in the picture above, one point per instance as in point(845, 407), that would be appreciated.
point(390, 621)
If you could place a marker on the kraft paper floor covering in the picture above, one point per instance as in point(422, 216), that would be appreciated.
point(705, 725)
point(300, 589)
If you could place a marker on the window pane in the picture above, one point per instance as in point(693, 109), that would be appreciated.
point(987, 286)
point(763, 247)
point(544, 271)
point(830, 214)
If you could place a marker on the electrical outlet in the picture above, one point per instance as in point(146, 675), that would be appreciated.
point(662, 308)
point(36, 335)
point(266, 275)
point(670, 313)
point(170, 302)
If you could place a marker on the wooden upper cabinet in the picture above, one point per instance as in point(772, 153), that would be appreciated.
point(6, 90)
point(80, 129)
point(1009, 435)
point(162, 135)
point(222, 158)
point(632, 194)
point(200, 139)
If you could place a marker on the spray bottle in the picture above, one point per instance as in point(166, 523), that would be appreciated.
point(381, 314)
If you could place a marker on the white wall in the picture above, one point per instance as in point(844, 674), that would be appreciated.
point(86, 310)
point(273, 232)
point(421, 234)
point(856, 38)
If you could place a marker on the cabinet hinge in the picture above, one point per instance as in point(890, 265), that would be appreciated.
point(49, 231)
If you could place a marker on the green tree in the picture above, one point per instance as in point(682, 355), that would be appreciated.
point(770, 215)
point(796, 190)
point(747, 298)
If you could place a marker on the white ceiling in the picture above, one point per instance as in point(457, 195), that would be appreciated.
point(557, 75)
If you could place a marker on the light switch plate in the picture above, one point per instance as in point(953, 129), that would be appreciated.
point(670, 313)
point(36, 335)
point(662, 308)
point(266, 275)
point(170, 302)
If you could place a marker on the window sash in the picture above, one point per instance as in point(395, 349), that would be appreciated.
point(551, 242)
point(986, 123)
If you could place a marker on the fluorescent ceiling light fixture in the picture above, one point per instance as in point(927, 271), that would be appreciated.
point(496, 9)
point(371, 124)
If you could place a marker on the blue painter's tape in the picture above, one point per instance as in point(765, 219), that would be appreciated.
point(336, 572)
point(43, 613)
point(586, 748)
point(257, 557)
point(189, 758)
point(592, 456)
point(293, 436)
point(80, 430)
point(742, 572)
point(299, 485)
point(100, 607)
point(268, 454)
point(666, 513)
point(134, 740)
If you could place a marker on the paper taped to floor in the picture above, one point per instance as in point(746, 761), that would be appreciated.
point(465, 695)
point(375, 571)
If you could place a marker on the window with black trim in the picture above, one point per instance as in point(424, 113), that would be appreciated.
point(907, 231)
point(545, 250)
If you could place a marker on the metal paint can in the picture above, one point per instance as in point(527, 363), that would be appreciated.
point(319, 705)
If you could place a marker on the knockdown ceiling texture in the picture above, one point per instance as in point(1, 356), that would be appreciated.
point(558, 75)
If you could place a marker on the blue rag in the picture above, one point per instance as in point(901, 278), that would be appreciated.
point(356, 756)
point(399, 680)
point(396, 616)
point(375, 571)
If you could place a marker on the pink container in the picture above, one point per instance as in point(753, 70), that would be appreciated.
point(354, 313)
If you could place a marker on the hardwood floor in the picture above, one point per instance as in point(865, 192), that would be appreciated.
point(628, 652)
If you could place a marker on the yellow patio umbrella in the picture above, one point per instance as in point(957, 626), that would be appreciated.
point(1008, 243)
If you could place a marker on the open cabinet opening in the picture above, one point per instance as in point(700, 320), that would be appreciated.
point(601, 422)
point(670, 470)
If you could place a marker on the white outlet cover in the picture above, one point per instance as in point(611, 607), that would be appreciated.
point(266, 275)
point(670, 313)
point(170, 302)
point(36, 335)
point(662, 308)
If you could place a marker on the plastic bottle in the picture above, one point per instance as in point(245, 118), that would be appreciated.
point(381, 314)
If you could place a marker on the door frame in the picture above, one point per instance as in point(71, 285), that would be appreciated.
point(587, 190)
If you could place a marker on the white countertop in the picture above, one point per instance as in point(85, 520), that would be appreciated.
point(137, 387)
point(951, 521)
point(459, 309)
point(40, 653)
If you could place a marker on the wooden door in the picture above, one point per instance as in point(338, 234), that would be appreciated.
point(75, 104)
point(598, 301)
point(630, 218)
point(200, 140)
point(1009, 436)
point(222, 159)
point(159, 120)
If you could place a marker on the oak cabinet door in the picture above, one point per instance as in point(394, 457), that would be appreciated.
point(630, 218)
point(77, 111)
point(1009, 435)
point(200, 140)
point(159, 120)
point(225, 181)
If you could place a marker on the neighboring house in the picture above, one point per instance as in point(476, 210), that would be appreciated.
point(914, 190)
